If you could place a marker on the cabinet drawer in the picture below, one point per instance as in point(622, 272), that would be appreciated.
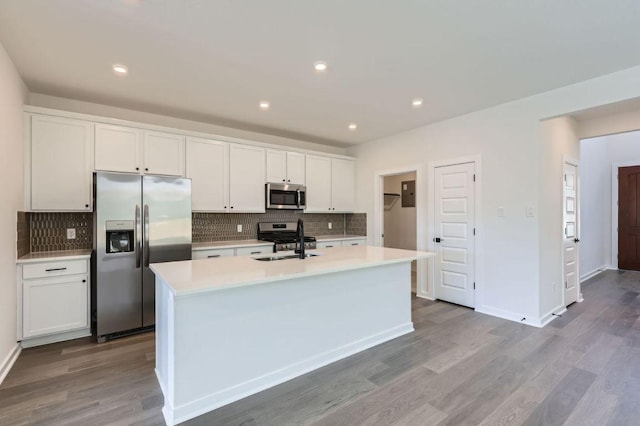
point(54, 269)
point(248, 251)
point(213, 253)
point(328, 244)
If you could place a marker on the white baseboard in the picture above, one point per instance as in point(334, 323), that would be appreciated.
point(593, 273)
point(508, 315)
point(552, 314)
point(8, 361)
point(53, 338)
point(182, 413)
point(424, 296)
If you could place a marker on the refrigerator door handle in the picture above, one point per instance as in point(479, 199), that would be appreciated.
point(146, 235)
point(138, 231)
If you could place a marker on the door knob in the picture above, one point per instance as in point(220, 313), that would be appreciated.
point(576, 240)
point(437, 239)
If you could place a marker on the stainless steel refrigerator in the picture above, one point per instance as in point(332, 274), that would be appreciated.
point(138, 220)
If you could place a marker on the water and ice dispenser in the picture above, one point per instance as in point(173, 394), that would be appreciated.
point(120, 236)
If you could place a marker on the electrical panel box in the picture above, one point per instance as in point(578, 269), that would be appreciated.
point(408, 193)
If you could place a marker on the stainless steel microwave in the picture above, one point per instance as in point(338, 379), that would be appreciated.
point(287, 196)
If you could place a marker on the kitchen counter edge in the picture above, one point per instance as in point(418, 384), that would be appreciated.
point(48, 256)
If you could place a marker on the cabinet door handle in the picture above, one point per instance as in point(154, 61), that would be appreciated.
point(55, 269)
point(213, 255)
point(84, 281)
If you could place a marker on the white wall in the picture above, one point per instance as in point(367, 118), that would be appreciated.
point(399, 222)
point(595, 206)
point(598, 204)
point(558, 143)
point(14, 93)
point(508, 138)
point(623, 121)
point(73, 105)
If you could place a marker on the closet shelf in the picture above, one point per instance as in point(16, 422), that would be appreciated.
point(390, 199)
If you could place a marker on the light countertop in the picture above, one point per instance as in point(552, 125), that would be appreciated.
point(229, 244)
point(43, 256)
point(206, 275)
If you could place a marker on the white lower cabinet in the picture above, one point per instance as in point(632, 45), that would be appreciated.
point(237, 251)
point(340, 243)
point(249, 251)
point(213, 253)
point(54, 299)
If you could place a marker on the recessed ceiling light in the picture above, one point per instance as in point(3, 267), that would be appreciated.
point(264, 105)
point(416, 103)
point(320, 66)
point(353, 126)
point(120, 69)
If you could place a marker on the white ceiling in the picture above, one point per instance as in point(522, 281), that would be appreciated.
point(214, 60)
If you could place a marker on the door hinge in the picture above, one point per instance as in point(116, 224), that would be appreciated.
point(474, 231)
point(474, 177)
point(474, 286)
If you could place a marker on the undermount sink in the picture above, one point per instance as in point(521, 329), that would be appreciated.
point(281, 257)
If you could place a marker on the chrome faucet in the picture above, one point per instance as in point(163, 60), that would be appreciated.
point(300, 239)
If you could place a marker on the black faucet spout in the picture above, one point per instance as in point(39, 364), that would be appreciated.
point(300, 239)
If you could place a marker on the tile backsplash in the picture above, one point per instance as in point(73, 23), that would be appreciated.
point(23, 234)
point(222, 226)
point(48, 231)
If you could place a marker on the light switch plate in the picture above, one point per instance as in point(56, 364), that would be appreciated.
point(530, 211)
point(500, 211)
point(239, 228)
point(71, 233)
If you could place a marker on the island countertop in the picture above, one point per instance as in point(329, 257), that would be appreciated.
point(206, 275)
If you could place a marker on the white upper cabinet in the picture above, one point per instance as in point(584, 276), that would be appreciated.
point(342, 185)
point(163, 153)
point(330, 184)
point(208, 169)
point(285, 167)
point(131, 150)
point(246, 178)
point(61, 163)
point(276, 166)
point(295, 168)
point(118, 148)
point(318, 184)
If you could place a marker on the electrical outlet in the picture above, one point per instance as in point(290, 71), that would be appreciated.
point(71, 233)
point(530, 212)
point(330, 225)
point(239, 228)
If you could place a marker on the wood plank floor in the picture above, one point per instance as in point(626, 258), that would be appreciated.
point(458, 368)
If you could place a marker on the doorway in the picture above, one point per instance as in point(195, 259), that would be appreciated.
point(423, 287)
point(400, 217)
point(629, 218)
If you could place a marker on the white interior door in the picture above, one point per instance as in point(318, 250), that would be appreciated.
point(454, 229)
point(570, 233)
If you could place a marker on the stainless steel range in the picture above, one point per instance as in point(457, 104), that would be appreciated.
point(283, 236)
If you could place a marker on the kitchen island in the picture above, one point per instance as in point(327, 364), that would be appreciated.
point(230, 327)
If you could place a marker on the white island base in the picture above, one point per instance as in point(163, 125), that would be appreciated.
point(219, 343)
